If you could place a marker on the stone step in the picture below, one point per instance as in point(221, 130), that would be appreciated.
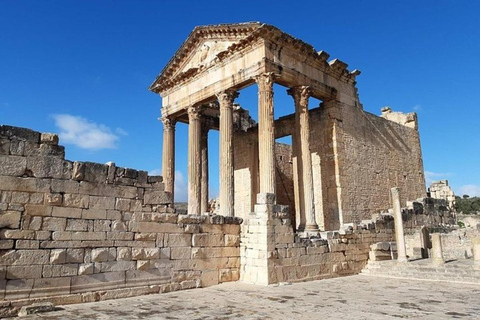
point(455, 271)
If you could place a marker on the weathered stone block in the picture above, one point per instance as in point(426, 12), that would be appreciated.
point(207, 240)
point(76, 200)
point(85, 269)
point(27, 244)
point(102, 225)
point(20, 197)
point(4, 146)
point(65, 212)
point(232, 240)
point(12, 165)
point(24, 257)
point(6, 244)
point(179, 253)
point(178, 240)
point(124, 253)
point(54, 224)
point(95, 172)
point(101, 255)
point(49, 138)
point(38, 210)
point(122, 204)
point(76, 225)
point(17, 234)
point(97, 202)
point(10, 219)
point(94, 214)
point(157, 197)
point(75, 255)
point(49, 167)
point(36, 308)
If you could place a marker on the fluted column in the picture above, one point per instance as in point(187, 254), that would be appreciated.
point(225, 100)
point(194, 160)
point(266, 133)
point(300, 95)
point(204, 178)
point(168, 155)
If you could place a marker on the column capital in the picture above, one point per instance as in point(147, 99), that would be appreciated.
point(168, 123)
point(265, 81)
point(194, 112)
point(226, 98)
point(300, 95)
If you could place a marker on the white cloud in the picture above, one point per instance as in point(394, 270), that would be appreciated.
point(470, 189)
point(417, 107)
point(86, 134)
point(434, 176)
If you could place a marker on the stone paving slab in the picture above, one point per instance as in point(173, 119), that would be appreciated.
point(355, 297)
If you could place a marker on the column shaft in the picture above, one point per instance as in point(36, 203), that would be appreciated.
point(204, 179)
point(226, 99)
point(437, 251)
point(266, 133)
point(194, 160)
point(300, 95)
point(397, 216)
point(168, 155)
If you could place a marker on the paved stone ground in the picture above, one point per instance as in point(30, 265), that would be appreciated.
point(355, 297)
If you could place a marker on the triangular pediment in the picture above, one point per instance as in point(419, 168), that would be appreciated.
point(202, 46)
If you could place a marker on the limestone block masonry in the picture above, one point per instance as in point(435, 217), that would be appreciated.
point(75, 232)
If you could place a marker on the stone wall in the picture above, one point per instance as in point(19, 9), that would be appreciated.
point(76, 232)
point(246, 172)
point(370, 155)
point(357, 158)
point(272, 253)
point(457, 242)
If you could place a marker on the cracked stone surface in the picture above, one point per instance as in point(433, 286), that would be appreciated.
point(355, 297)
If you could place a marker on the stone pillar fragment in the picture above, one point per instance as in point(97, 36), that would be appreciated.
point(437, 251)
point(168, 155)
point(476, 252)
point(397, 216)
point(225, 100)
point(204, 178)
point(301, 95)
point(266, 133)
point(194, 160)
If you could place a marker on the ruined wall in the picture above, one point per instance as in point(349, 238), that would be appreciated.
point(373, 155)
point(271, 252)
point(246, 173)
point(76, 232)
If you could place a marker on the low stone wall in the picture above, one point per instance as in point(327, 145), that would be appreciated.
point(76, 232)
point(457, 243)
point(271, 252)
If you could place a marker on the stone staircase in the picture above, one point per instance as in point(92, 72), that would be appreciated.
point(462, 270)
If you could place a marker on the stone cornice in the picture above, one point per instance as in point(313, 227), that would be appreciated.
point(248, 33)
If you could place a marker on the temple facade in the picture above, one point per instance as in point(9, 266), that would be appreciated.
point(342, 161)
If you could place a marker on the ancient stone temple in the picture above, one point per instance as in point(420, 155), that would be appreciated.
point(73, 232)
point(342, 161)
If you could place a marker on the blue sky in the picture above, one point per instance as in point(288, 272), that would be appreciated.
point(82, 69)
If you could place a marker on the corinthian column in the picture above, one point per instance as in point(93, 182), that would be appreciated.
point(266, 132)
point(300, 95)
point(168, 154)
point(225, 100)
point(204, 183)
point(194, 160)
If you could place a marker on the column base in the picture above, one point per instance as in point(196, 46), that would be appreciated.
point(402, 259)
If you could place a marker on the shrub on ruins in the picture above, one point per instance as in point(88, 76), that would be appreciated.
point(467, 204)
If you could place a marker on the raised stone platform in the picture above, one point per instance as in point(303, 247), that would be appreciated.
point(460, 271)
